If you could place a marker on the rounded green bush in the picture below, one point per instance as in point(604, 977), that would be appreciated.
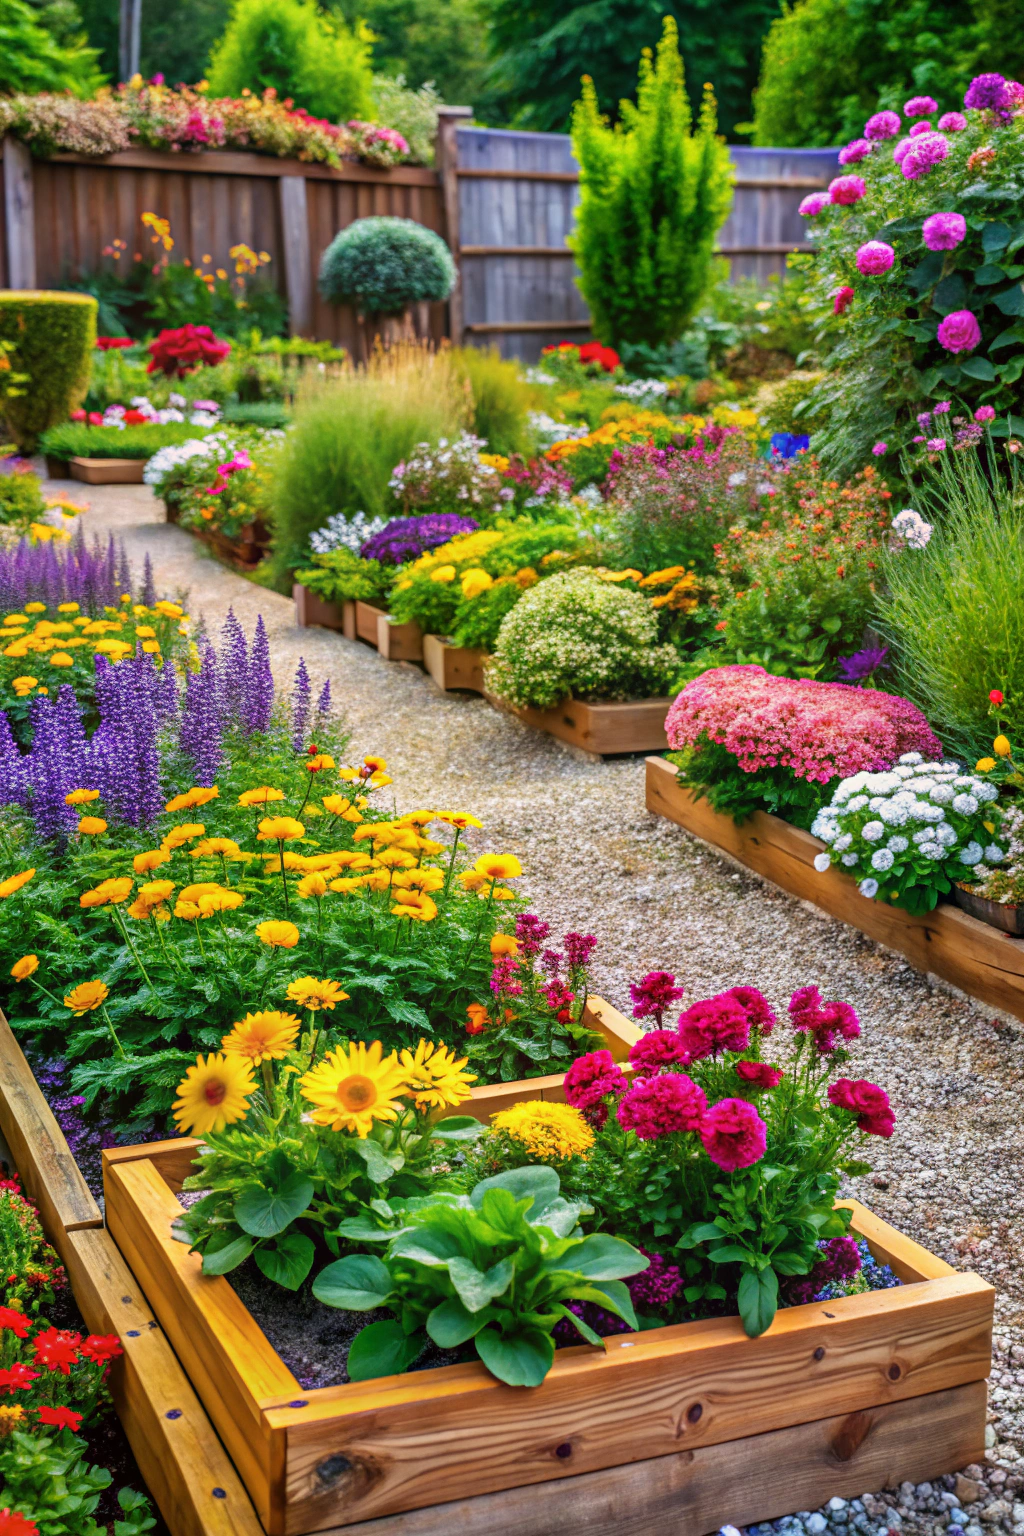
point(576, 634)
point(382, 265)
point(52, 336)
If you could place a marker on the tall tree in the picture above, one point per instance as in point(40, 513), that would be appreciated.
point(41, 50)
point(440, 40)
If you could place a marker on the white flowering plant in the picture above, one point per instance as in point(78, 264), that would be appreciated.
point(450, 477)
point(907, 833)
point(341, 532)
point(219, 482)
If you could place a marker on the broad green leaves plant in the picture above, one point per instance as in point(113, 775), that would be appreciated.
point(497, 1267)
point(45, 1478)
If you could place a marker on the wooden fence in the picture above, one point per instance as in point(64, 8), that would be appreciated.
point(504, 201)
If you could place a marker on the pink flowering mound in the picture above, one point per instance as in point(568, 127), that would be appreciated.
point(659, 1106)
point(944, 231)
point(959, 332)
point(590, 1078)
point(867, 1101)
point(845, 190)
point(658, 1048)
point(875, 257)
point(181, 351)
point(920, 106)
point(759, 1074)
point(733, 1134)
point(820, 731)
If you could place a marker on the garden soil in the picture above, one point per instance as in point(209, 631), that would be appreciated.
point(595, 860)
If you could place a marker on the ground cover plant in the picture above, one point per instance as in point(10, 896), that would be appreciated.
point(81, 439)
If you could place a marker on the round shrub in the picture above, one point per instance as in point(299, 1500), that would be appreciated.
point(382, 265)
point(52, 336)
point(575, 633)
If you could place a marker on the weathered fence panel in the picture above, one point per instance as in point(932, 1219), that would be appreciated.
point(764, 225)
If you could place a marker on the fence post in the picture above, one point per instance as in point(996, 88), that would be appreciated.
point(447, 157)
point(298, 270)
point(18, 210)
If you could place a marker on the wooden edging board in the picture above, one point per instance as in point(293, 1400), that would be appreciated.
point(454, 666)
point(311, 610)
point(187, 1469)
point(981, 960)
point(107, 471)
point(607, 729)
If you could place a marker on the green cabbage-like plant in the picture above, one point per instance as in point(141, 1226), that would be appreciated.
point(497, 1266)
point(382, 265)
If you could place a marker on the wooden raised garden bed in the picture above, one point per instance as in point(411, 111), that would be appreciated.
point(606, 729)
point(311, 611)
point(454, 666)
point(979, 959)
point(395, 642)
point(107, 471)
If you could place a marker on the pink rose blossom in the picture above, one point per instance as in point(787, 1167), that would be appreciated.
point(857, 150)
point(883, 125)
point(661, 1106)
point(920, 128)
point(920, 106)
point(733, 1134)
point(842, 299)
point(875, 257)
point(846, 190)
point(959, 332)
point(813, 205)
point(952, 122)
point(944, 231)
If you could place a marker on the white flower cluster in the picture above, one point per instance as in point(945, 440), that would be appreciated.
point(449, 472)
point(912, 528)
point(168, 459)
point(643, 389)
point(920, 815)
point(340, 532)
point(550, 431)
point(538, 376)
point(202, 413)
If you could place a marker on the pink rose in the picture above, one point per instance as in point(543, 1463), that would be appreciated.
point(813, 205)
point(874, 258)
point(959, 332)
point(842, 299)
point(733, 1134)
point(847, 189)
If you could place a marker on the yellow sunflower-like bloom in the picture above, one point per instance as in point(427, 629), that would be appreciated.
point(266, 1036)
point(80, 796)
point(143, 863)
point(278, 934)
point(280, 829)
point(220, 901)
point(15, 882)
point(27, 966)
point(319, 762)
point(396, 858)
point(314, 993)
point(177, 837)
point(213, 1094)
point(155, 892)
point(498, 866)
point(353, 1087)
point(436, 1078)
point(984, 765)
point(414, 904)
point(460, 819)
point(108, 893)
point(261, 796)
point(211, 846)
point(193, 797)
point(549, 1132)
point(87, 996)
point(91, 826)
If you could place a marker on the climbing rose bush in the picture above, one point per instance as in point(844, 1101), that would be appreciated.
point(923, 268)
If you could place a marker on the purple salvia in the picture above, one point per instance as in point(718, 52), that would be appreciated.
point(148, 588)
point(13, 775)
point(124, 571)
point(301, 699)
point(233, 670)
point(124, 750)
point(258, 704)
point(165, 691)
point(323, 703)
point(200, 734)
point(55, 763)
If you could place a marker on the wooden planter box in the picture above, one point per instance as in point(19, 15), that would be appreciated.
point(606, 729)
point(395, 642)
point(975, 957)
point(454, 666)
point(311, 610)
point(57, 469)
point(107, 471)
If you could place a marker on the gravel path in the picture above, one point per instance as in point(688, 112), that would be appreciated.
point(953, 1174)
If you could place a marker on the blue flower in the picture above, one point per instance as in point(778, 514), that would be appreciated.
point(785, 445)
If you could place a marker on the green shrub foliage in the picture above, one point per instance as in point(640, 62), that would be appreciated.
point(653, 195)
point(52, 336)
point(306, 55)
point(34, 58)
point(382, 265)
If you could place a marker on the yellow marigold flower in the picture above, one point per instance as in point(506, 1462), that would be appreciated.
point(61, 659)
point(662, 578)
point(279, 829)
point(350, 883)
point(313, 992)
point(336, 804)
point(312, 885)
point(378, 780)
point(504, 944)
point(318, 763)
point(221, 901)
point(499, 866)
point(212, 846)
point(273, 863)
point(177, 837)
point(549, 1132)
point(27, 966)
point(278, 934)
point(501, 893)
point(475, 581)
point(81, 796)
point(155, 891)
point(151, 647)
point(472, 880)
point(984, 765)
point(145, 631)
point(378, 879)
point(443, 573)
point(168, 610)
point(414, 904)
point(460, 819)
point(1001, 746)
point(142, 863)
point(419, 879)
point(200, 888)
point(436, 1078)
point(108, 893)
point(11, 1415)
point(213, 1094)
point(192, 798)
point(188, 911)
point(354, 1086)
point(86, 997)
point(396, 858)
point(91, 826)
point(259, 1037)
point(140, 910)
point(20, 617)
point(25, 684)
point(261, 796)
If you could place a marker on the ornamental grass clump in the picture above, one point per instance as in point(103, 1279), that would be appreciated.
point(575, 634)
point(906, 834)
point(749, 740)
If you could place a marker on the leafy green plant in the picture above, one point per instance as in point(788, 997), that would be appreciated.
point(50, 338)
point(713, 774)
point(501, 398)
point(305, 54)
point(21, 498)
point(74, 439)
point(45, 1478)
point(32, 1269)
point(342, 576)
point(384, 264)
point(496, 1267)
point(653, 196)
point(33, 59)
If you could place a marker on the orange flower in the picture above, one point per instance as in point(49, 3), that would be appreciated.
point(261, 796)
point(479, 1019)
point(277, 934)
point(192, 797)
point(504, 944)
point(151, 859)
point(91, 826)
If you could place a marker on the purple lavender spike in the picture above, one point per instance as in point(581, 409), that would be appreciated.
point(323, 703)
point(200, 734)
point(301, 697)
point(13, 775)
point(148, 588)
point(258, 704)
point(233, 670)
point(124, 570)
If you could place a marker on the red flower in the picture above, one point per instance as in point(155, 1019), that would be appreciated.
point(717, 1024)
point(841, 300)
point(756, 1007)
point(112, 343)
point(825, 1021)
point(134, 419)
point(479, 1019)
point(996, 696)
point(760, 1073)
point(57, 1349)
point(60, 1418)
point(734, 1135)
point(17, 1322)
point(180, 351)
point(594, 352)
point(101, 1347)
point(13, 1524)
point(77, 416)
point(657, 1106)
point(17, 1378)
point(867, 1101)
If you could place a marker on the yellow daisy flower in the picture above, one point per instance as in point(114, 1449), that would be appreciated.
point(259, 1037)
point(213, 1094)
point(353, 1087)
point(313, 993)
point(435, 1074)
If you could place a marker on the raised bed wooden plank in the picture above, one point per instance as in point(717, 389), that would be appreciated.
point(607, 729)
point(107, 471)
point(366, 622)
point(981, 960)
point(454, 666)
point(311, 610)
point(49, 1174)
point(399, 642)
point(760, 1477)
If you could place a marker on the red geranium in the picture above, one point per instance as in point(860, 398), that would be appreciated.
point(183, 350)
point(112, 343)
point(17, 1322)
point(101, 1347)
point(17, 1378)
point(60, 1418)
point(14, 1524)
point(594, 352)
point(57, 1349)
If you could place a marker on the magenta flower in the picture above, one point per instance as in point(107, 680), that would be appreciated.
point(952, 122)
point(733, 1134)
point(959, 332)
point(846, 190)
point(920, 128)
point(925, 153)
point(717, 1024)
point(867, 1101)
point(813, 205)
point(825, 1021)
point(988, 93)
point(883, 125)
point(944, 231)
point(760, 1074)
point(879, 449)
point(942, 408)
point(901, 149)
point(842, 299)
point(659, 1048)
point(985, 413)
point(661, 1106)
point(920, 106)
point(656, 992)
point(936, 444)
point(874, 258)
point(755, 1005)
point(858, 149)
point(590, 1078)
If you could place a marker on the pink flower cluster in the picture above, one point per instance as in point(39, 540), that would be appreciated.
point(827, 1023)
point(820, 731)
point(867, 1101)
point(651, 996)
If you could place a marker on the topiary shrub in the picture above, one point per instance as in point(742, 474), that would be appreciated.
point(576, 634)
point(382, 265)
point(51, 336)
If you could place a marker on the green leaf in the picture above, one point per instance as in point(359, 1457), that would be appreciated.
point(220, 1261)
point(1011, 300)
point(732, 1253)
point(365, 1230)
point(379, 1169)
point(610, 1294)
point(266, 1212)
point(978, 368)
point(950, 294)
point(832, 626)
point(451, 1324)
point(288, 1260)
point(758, 1300)
point(988, 275)
point(521, 1359)
point(789, 1263)
point(539, 1184)
point(404, 1012)
point(601, 1257)
point(358, 1283)
point(475, 1287)
point(457, 1128)
point(382, 1349)
point(432, 1246)
point(1010, 372)
point(703, 1232)
point(995, 237)
point(1013, 336)
point(927, 272)
point(582, 1327)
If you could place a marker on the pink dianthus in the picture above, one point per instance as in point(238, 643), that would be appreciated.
point(920, 106)
point(659, 1048)
point(813, 205)
point(920, 128)
point(944, 231)
point(828, 1022)
point(661, 1106)
point(857, 150)
point(985, 413)
point(842, 299)
point(959, 332)
point(716, 1024)
point(883, 125)
point(733, 1134)
point(590, 1078)
point(875, 257)
point(952, 122)
point(867, 1101)
point(846, 190)
point(760, 1074)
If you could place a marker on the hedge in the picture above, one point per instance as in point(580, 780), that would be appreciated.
point(53, 335)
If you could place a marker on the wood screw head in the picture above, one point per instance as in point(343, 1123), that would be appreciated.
point(694, 1412)
point(894, 1372)
point(564, 1451)
point(819, 1353)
